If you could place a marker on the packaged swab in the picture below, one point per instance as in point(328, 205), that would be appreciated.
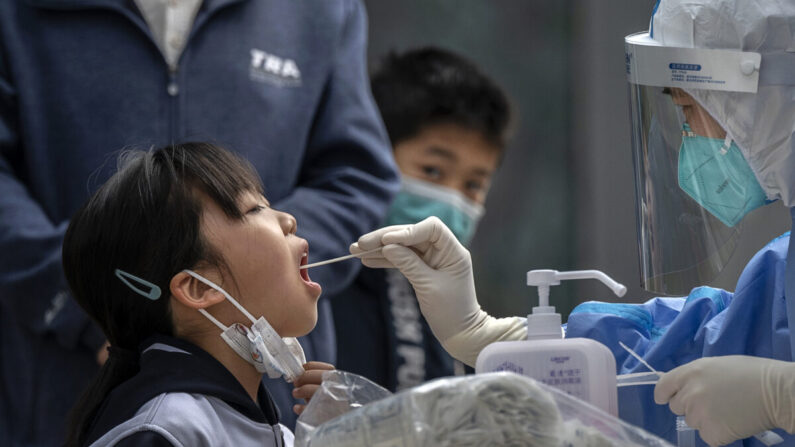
point(469, 411)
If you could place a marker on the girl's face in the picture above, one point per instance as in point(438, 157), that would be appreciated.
point(263, 254)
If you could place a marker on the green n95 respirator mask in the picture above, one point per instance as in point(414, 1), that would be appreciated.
point(418, 200)
point(715, 174)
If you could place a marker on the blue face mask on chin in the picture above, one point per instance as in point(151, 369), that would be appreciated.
point(418, 200)
point(714, 173)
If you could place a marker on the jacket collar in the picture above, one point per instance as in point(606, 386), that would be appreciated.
point(169, 364)
point(129, 9)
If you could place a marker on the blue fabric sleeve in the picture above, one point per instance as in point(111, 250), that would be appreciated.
point(32, 284)
point(666, 331)
point(348, 176)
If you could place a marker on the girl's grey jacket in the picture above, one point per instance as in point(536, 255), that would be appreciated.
point(182, 396)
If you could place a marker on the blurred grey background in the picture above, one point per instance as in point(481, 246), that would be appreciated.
point(564, 196)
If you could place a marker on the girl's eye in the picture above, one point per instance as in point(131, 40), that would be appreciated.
point(256, 209)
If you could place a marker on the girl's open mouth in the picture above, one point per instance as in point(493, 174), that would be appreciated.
point(304, 272)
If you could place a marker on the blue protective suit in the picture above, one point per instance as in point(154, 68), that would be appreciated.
point(669, 332)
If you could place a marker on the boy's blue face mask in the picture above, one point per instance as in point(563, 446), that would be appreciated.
point(715, 174)
point(418, 200)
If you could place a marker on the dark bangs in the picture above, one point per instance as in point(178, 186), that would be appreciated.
point(219, 173)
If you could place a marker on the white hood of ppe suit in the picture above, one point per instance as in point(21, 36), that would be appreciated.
point(761, 124)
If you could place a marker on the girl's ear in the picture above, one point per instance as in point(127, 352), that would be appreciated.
point(193, 293)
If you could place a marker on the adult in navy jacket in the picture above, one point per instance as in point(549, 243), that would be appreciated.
point(282, 82)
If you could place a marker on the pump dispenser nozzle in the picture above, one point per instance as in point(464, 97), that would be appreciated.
point(544, 322)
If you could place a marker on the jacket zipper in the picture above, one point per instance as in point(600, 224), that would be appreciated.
point(173, 93)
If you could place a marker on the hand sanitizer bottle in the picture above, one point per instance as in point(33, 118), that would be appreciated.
point(581, 367)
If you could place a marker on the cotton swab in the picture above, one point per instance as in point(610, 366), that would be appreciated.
point(640, 359)
point(341, 258)
point(628, 377)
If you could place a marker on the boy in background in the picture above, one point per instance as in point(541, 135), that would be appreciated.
point(447, 123)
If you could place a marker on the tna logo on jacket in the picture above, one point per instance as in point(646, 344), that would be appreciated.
point(279, 71)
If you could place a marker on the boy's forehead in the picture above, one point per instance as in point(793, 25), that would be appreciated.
point(453, 144)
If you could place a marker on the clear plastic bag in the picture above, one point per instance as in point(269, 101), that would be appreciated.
point(340, 393)
point(485, 409)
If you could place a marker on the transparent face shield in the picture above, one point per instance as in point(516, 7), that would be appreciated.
point(691, 179)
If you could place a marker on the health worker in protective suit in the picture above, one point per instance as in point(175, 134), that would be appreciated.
point(712, 92)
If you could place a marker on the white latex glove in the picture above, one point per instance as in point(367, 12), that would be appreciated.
point(732, 397)
point(440, 270)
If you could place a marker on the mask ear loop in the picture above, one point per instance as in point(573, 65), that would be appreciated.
point(727, 143)
point(292, 374)
point(214, 320)
point(223, 292)
point(254, 337)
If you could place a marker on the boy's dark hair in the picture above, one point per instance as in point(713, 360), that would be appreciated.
point(146, 221)
point(430, 86)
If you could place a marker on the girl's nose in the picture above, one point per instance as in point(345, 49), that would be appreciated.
point(288, 223)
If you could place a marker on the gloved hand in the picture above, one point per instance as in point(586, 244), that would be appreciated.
point(440, 270)
point(732, 397)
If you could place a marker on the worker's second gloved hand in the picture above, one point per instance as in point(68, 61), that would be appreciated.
point(440, 270)
point(732, 397)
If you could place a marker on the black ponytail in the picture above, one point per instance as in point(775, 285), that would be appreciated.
point(112, 373)
point(146, 221)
